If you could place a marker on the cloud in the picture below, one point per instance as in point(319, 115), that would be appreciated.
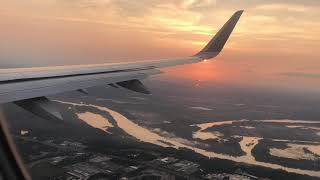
point(284, 7)
point(138, 8)
point(198, 5)
point(302, 74)
point(266, 26)
point(135, 8)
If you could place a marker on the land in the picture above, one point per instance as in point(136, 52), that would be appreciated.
point(74, 149)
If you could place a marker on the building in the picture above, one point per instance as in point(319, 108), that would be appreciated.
point(99, 159)
point(186, 167)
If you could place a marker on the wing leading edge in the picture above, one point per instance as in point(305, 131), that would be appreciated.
point(28, 87)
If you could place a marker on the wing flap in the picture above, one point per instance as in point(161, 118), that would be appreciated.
point(42, 107)
point(134, 85)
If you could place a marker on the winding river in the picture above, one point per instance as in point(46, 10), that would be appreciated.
point(145, 135)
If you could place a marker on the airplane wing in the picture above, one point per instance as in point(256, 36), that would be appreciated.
point(28, 87)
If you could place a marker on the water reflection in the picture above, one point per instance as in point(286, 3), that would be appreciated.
point(296, 151)
point(95, 120)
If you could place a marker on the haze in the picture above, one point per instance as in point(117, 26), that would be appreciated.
point(275, 45)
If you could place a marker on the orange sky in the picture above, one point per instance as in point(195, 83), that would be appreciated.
point(275, 43)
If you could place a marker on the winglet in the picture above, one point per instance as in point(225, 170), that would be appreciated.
point(214, 47)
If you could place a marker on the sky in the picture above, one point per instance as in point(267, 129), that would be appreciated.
point(276, 43)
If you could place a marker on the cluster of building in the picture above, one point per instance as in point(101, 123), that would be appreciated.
point(77, 163)
point(73, 144)
point(185, 167)
point(92, 165)
point(237, 175)
point(67, 159)
point(226, 176)
point(103, 167)
point(182, 166)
